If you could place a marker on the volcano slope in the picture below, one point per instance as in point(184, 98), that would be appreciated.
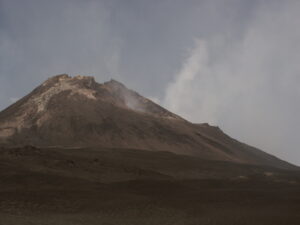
point(77, 152)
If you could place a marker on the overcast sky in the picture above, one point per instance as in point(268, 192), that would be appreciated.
point(232, 63)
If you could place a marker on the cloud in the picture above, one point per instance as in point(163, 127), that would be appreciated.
point(248, 87)
point(185, 96)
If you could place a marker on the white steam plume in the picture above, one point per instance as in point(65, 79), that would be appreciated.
point(248, 87)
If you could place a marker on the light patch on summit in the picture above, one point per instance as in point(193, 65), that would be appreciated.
point(85, 92)
point(64, 84)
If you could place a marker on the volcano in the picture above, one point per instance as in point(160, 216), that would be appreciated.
point(77, 112)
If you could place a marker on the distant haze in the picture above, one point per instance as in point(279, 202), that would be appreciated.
point(231, 63)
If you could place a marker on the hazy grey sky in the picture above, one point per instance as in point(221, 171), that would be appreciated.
point(232, 63)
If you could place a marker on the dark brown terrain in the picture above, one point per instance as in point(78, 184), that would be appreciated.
point(77, 152)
